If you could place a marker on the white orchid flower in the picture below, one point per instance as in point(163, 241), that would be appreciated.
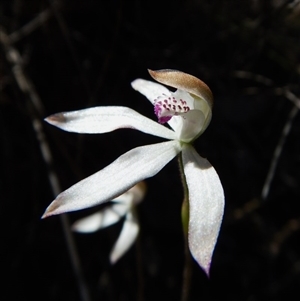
point(122, 206)
point(188, 113)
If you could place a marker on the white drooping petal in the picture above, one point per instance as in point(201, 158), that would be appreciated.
point(206, 203)
point(132, 167)
point(126, 238)
point(149, 89)
point(101, 219)
point(99, 120)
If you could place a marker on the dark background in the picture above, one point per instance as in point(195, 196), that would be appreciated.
point(86, 53)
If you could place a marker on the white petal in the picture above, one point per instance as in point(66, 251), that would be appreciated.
point(132, 167)
point(126, 238)
point(99, 120)
point(102, 219)
point(206, 201)
point(149, 89)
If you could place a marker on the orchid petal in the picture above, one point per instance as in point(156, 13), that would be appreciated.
point(126, 238)
point(102, 219)
point(100, 120)
point(206, 202)
point(132, 167)
point(149, 89)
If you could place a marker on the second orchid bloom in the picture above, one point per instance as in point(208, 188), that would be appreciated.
point(120, 207)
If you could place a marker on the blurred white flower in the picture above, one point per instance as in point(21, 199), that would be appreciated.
point(188, 113)
point(120, 207)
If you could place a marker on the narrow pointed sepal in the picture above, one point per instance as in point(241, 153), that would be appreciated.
point(206, 203)
point(99, 120)
point(112, 181)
